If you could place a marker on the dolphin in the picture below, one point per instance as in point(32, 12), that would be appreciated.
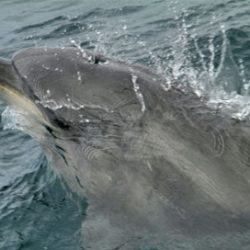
point(156, 164)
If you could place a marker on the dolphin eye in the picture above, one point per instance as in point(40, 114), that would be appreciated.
point(99, 59)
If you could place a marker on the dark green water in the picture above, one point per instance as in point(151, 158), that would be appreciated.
point(203, 43)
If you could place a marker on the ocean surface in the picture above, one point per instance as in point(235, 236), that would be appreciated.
point(205, 44)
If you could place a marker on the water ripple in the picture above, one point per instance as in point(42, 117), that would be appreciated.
point(42, 24)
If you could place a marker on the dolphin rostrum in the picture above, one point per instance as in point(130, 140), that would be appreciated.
point(154, 163)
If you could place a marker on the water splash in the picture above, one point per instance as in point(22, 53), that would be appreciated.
point(13, 119)
point(209, 75)
point(138, 93)
point(81, 50)
point(49, 102)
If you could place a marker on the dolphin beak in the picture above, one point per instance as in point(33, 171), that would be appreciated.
point(11, 85)
point(8, 76)
point(12, 93)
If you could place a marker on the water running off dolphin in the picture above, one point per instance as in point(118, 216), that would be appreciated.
point(152, 160)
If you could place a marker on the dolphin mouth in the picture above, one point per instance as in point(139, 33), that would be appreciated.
point(8, 77)
point(13, 96)
point(9, 89)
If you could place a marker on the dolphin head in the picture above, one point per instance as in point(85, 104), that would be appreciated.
point(72, 86)
point(73, 93)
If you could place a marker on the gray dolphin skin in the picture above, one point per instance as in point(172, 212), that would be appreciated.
point(156, 165)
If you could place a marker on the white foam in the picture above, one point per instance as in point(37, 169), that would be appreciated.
point(67, 102)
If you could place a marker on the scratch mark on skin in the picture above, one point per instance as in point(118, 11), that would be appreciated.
point(218, 143)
